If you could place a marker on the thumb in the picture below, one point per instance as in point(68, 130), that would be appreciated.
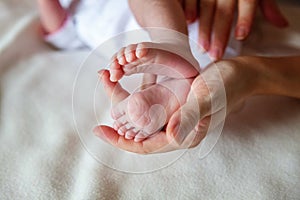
point(207, 96)
point(182, 123)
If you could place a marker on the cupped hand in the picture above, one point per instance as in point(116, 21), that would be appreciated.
point(188, 126)
point(159, 142)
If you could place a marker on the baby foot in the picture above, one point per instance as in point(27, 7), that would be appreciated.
point(154, 58)
point(146, 112)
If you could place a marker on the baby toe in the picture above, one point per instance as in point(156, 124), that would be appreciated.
point(122, 130)
point(141, 50)
point(116, 71)
point(116, 125)
point(121, 57)
point(130, 134)
point(130, 53)
point(140, 136)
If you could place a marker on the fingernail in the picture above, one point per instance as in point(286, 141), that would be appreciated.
point(128, 137)
point(120, 132)
point(201, 49)
point(138, 139)
point(122, 60)
point(204, 46)
point(189, 16)
point(138, 53)
point(215, 54)
point(112, 78)
point(111, 75)
point(241, 33)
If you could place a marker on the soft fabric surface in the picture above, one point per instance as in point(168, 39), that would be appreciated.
point(42, 156)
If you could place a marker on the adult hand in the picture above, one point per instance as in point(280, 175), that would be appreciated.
point(162, 141)
point(188, 126)
point(216, 16)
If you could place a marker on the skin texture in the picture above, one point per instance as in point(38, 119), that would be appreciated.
point(132, 58)
point(216, 17)
point(133, 115)
point(162, 14)
point(52, 15)
point(255, 75)
point(143, 113)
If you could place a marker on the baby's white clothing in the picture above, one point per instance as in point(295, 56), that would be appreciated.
point(94, 21)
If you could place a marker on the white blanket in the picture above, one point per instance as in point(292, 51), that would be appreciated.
point(42, 156)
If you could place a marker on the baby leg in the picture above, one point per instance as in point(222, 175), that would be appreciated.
point(52, 14)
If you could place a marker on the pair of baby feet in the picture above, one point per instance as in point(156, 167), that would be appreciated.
point(143, 113)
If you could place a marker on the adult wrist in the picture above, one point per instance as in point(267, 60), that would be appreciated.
point(254, 72)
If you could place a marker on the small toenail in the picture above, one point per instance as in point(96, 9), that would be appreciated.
point(128, 137)
point(128, 57)
point(136, 139)
point(120, 132)
point(121, 60)
point(139, 53)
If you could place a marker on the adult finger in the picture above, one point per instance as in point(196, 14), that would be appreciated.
point(246, 13)
point(272, 13)
point(190, 10)
point(183, 122)
point(109, 135)
point(198, 133)
point(221, 28)
point(155, 144)
point(206, 12)
point(197, 107)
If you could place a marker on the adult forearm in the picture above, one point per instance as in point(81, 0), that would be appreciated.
point(247, 76)
point(159, 13)
point(52, 14)
point(279, 76)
